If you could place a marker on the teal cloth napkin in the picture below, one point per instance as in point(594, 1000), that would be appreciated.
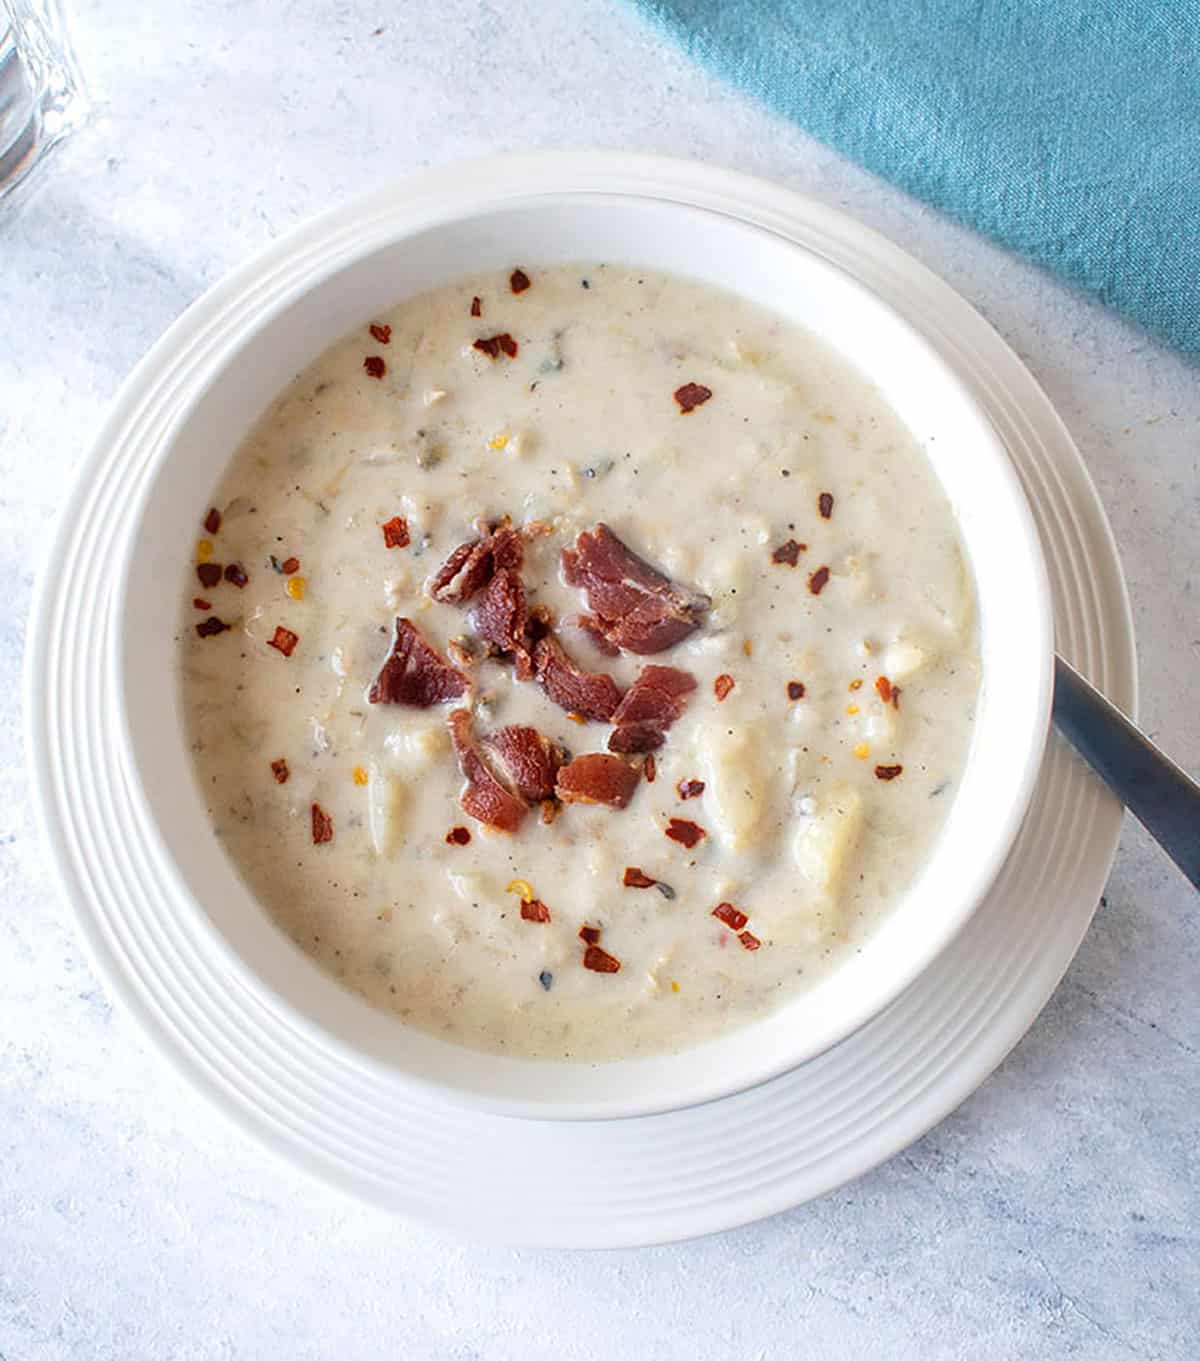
point(1067, 130)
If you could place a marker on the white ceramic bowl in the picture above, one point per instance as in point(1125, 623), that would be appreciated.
point(1002, 545)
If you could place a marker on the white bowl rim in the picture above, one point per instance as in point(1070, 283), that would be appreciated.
point(1040, 637)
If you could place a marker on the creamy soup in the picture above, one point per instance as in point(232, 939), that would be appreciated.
point(579, 662)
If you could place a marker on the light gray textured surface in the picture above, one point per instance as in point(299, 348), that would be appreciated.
point(1055, 1214)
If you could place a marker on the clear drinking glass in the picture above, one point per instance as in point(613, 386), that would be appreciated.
point(41, 93)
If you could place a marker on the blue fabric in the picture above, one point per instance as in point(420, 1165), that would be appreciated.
point(1067, 130)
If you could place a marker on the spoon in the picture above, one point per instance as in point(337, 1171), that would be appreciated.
point(1164, 799)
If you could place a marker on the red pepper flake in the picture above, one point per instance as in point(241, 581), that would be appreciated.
point(493, 345)
point(289, 566)
point(650, 767)
point(887, 772)
point(690, 789)
point(600, 961)
point(209, 574)
point(284, 640)
point(816, 582)
point(686, 833)
point(518, 281)
point(210, 627)
point(201, 604)
point(589, 934)
point(458, 836)
point(280, 770)
point(883, 688)
point(212, 521)
point(534, 910)
point(733, 917)
point(395, 532)
point(749, 940)
point(374, 366)
point(381, 333)
point(322, 825)
point(722, 685)
point(691, 395)
point(825, 505)
point(635, 878)
point(789, 552)
point(235, 574)
point(796, 690)
point(477, 307)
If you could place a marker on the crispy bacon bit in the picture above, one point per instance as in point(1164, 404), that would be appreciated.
point(636, 606)
point(691, 395)
point(381, 333)
point(493, 346)
point(634, 878)
point(458, 836)
point(600, 961)
point(589, 934)
point(550, 809)
point(501, 618)
point(322, 825)
point(210, 627)
point(883, 688)
point(796, 690)
point(595, 631)
point(484, 797)
point(477, 307)
point(825, 505)
point(518, 281)
point(283, 640)
point(887, 772)
point(895, 696)
point(789, 552)
point(414, 674)
point(591, 694)
point(374, 366)
point(722, 685)
point(730, 915)
point(816, 582)
point(209, 574)
point(289, 566)
point(534, 910)
point(652, 703)
point(395, 532)
point(212, 521)
point(473, 564)
point(200, 604)
point(235, 574)
point(527, 761)
point(650, 768)
point(685, 832)
point(597, 777)
point(689, 789)
point(749, 940)
point(280, 770)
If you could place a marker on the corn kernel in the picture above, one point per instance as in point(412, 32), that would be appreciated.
point(497, 441)
point(523, 888)
point(295, 587)
point(862, 751)
point(747, 648)
point(204, 550)
point(856, 685)
point(674, 986)
point(360, 775)
point(852, 709)
point(577, 718)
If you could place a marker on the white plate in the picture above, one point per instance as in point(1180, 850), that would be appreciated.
point(574, 1183)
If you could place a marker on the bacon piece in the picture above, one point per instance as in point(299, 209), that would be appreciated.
point(883, 688)
point(518, 281)
point(534, 910)
point(723, 685)
point(650, 768)
point(381, 333)
point(589, 934)
point(591, 694)
point(322, 825)
point(685, 832)
point(210, 627)
point(374, 366)
point(637, 878)
point(473, 564)
point(691, 395)
point(212, 521)
point(493, 346)
point(600, 961)
point(733, 917)
point(414, 674)
point(209, 574)
point(887, 772)
point(795, 690)
point(825, 505)
point(477, 307)
point(395, 532)
point(597, 777)
point(502, 619)
point(289, 566)
point(527, 761)
point(749, 940)
point(789, 553)
point(594, 629)
point(637, 607)
point(484, 797)
point(235, 574)
point(283, 640)
point(458, 836)
point(280, 770)
point(689, 789)
point(200, 604)
point(816, 582)
point(651, 704)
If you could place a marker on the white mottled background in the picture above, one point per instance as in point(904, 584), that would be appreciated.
point(1055, 1215)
